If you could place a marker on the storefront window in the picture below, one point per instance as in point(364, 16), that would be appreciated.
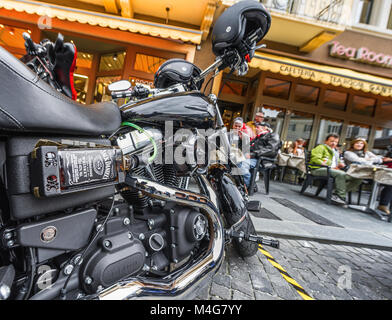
point(364, 106)
point(328, 126)
point(12, 39)
point(335, 100)
point(147, 63)
point(275, 117)
point(300, 126)
point(81, 86)
point(229, 112)
point(135, 80)
point(366, 11)
point(306, 94)
point(389, 25)
point(83, 66)
point(101, 88)
point(84, 60)
point(112, 61)
point(383, 133)
point(386, 109)
point(276, 88)
point(234, 87)
point(382, 139)
point(356, 130)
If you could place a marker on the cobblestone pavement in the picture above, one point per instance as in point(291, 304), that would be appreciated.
point(325, 271)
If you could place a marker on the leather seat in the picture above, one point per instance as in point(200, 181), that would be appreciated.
point(28, 104)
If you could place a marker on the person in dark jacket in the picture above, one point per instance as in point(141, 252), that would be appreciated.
point(266, 144)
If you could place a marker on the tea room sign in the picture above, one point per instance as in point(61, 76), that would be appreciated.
point(362, 54)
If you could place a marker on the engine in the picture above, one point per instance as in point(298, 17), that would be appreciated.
point(154, 240)
point(142, 234)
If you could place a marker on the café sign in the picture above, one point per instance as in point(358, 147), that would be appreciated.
point(362, 54)
point(322, 73)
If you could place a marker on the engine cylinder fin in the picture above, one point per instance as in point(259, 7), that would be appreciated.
point(158, 172)
point(170, 176)
point(135, 197)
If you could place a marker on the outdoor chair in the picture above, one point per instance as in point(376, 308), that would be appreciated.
point(365, 182)
point(264, 166)
point(323, 181)
point(284, 170)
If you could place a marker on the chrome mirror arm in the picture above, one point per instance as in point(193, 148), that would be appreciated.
point(218, 62)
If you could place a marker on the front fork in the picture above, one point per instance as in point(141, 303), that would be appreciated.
point(217, 188)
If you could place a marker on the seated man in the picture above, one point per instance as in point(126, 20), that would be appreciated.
point(266, 144)
point(326, 154)
point(241, 128)
point(239, 141)
point(259, 118)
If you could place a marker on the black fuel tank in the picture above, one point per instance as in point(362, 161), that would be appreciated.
point(185, 109)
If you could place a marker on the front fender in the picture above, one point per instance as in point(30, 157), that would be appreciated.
point(232, 203)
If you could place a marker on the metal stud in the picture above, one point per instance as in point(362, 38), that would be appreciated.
point(88, 280)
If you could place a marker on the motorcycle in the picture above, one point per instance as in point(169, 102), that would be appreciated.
point(88, 210)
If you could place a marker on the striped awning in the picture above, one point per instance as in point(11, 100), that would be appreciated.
point(339, 77)
point(103, 20)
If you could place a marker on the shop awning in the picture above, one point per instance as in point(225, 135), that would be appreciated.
point(338, 77)
point(102, 20)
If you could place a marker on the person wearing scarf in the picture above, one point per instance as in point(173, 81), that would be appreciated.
point(266, 143)
point(358, 153)
point(259, 118)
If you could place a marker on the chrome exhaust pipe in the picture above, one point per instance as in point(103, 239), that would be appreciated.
point(178, 285)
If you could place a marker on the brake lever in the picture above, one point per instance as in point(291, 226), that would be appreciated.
point(260, 47)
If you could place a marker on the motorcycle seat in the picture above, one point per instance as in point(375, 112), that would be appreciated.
point(28, 104)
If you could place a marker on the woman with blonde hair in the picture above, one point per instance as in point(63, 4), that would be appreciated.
point(358, 153)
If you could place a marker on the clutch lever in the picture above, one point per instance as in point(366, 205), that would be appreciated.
point(260, 47)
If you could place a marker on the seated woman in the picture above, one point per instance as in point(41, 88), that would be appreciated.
point(297, 148)
point(358, 153)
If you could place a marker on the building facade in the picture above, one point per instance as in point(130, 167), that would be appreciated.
point(326, 68)
point(115, 39)
point(323, 71)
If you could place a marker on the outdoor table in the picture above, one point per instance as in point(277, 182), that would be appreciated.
point(291, 161)
point(379, 175)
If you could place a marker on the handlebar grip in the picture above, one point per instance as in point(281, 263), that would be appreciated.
point(123, 94)
point(29, 43)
